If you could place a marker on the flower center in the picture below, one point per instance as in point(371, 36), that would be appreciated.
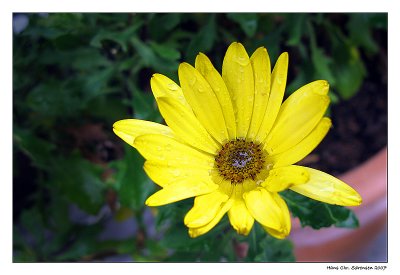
point(239, 160)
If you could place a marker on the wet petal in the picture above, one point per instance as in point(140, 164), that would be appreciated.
point(238, 76)
point(214, 79)
point(197, 231)
point(240, 218)
point(326, 188)
point(186, 126)
point(162, 86)
point(262, 88)
point(263, 208)
point(171, 152)
point(205, 209)
point(203, 101)
point(286, 222)
point(181, 190)
point(129, 129)
point(278, 85)
point(303, 148)
point(298, 116)
point(282, 178)
point(164, 174)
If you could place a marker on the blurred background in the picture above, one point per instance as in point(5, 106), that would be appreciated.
point(79, 191)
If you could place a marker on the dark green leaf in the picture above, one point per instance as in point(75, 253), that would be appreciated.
point(165, 51)
point(317, 214)
point(39, 150)
point(203, 40)
point(296, 27)
point(247, 21)
point(275, 250)
point(52, 99)
point(322, 64)
point(144, 106)
point(134, 187)
point(360, 32)
point(79, 181)
point(150, 58)
point(122, 37)
point(350, 75)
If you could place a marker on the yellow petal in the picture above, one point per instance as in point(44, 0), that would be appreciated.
point(203, 101)
point(262, 87)
point(278, 85)
point(214, 79)
point(240, 218)
point(286, 222)
point(263, 207)
point(129, 129)
point(197, 231)
point(205, 209)
point(326, 188)
point(162, 86)
point(281, 178)
point(164, 174)
point(181, 190)
point(238, 76)
point(171, 152)
point(303, 148)
point(185, 125)
point(298, 116)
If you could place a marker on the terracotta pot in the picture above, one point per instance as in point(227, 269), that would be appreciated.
point(342, 244)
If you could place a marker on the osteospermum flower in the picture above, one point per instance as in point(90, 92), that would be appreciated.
point(231, 144)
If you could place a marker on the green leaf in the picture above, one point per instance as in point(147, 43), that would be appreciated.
point(39, 150)
point(122, 37)
point(161, 25)
point(360, 31)
point(79, 181)
point(144, 106)
point(322, 65)
point(132, 183)
point(52, 99)
point(296, 28)
point(165, 51)
point(150, 58)
point(84, 244)
point(275, 250)
point(350, 75)
point(317, 214)
point(203, 41)
point(247, 21)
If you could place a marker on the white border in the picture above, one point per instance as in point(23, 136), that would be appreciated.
point(8, 8)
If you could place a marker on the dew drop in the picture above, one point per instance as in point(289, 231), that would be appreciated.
point(176, 172)
point(192, 81)
point(241, 60)
point(173, 86)
point(200, 89)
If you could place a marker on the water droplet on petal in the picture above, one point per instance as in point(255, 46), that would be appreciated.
point(176, 172)
point(173, 86)
point(192, 81)
point(200, 89)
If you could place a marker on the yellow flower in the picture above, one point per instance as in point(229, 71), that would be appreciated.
point(231, 144)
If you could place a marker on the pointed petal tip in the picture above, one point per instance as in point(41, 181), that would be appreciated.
point(322, 87)
point(357, 200)
point(147, 202)
point(155, 76)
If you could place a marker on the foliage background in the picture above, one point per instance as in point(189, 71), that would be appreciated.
point(78, 191)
